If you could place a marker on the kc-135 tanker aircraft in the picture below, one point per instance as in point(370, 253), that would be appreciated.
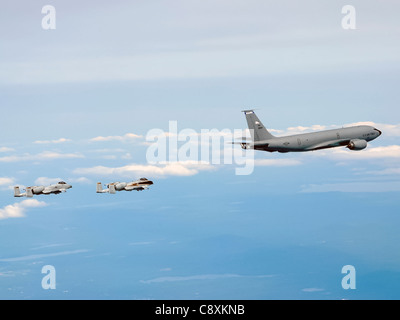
point(36, 190)
point(354, 138)
point(138, 185)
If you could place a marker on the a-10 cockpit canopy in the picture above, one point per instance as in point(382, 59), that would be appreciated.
point(62, 182)
point(144, 181)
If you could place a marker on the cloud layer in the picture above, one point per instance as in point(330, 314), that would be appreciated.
point(17, 210)
point(359, 186)
point(61, 140)
point(169, 169)
point(45, 155)
point(126, 137)
point(374, 153)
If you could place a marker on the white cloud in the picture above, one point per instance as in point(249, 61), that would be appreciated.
point(126, 156)
point(370, 187)
point(387, 171)
point(190, 278)
point(277, 162)
point(386, 152)
point(49, 155)
point(44, 181)
point(45, 155)
point(45, 255)
point(185, 168)
point(61, 140)
point(17, 210)
point(82, 180)
point(5, 181)
point(126, 137)
point(200, 277)
point(312, 290)
point(188, 132)
point(52, 245)
point(141, 243)
point(6, 149)
point(389, 130)
point(166, 269)
point(105, 150)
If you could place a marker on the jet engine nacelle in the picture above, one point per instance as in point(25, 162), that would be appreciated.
point(37, 190)
point(120, 186)
point(357, 144)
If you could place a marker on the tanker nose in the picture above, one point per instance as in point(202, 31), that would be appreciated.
point(379, 131)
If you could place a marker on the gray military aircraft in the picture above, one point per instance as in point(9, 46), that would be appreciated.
point(36, 190)
point(354, 138)
point(138, 185)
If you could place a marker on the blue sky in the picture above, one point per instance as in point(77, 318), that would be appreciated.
point(77, 103)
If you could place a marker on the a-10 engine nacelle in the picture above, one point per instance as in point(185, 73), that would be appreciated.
point(37, 190)
point(120, 186)
point(357, 144)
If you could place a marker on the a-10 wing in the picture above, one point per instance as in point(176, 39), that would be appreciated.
point(137, 188)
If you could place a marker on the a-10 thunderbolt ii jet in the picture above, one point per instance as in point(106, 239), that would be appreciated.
point(36, 190)
point(138, 185)
point(354, 138)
